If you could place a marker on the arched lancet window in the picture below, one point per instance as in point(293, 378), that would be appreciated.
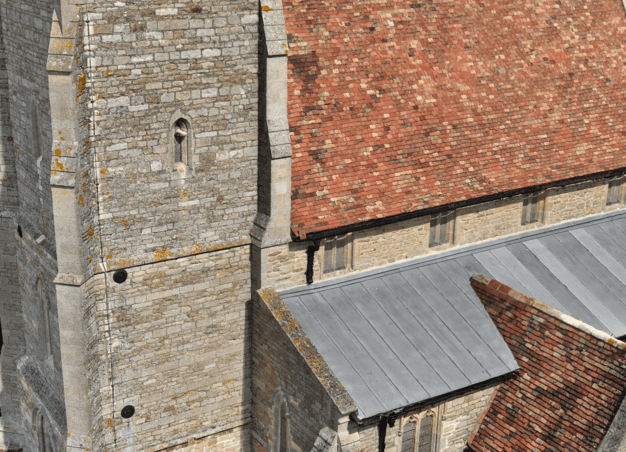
point(419, 433)
point(44, 318)
point(42, 432)
point(181, 141)
point(280, 416)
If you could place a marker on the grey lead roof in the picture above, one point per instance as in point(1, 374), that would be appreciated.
point(410, 332)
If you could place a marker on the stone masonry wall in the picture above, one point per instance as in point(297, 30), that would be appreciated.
point(29, 22)
point(178, 351)
point(277, 363)
point(460, 418)
point(457, 418)
point(25, 190)
point(11, 421)
point(381, 246)
point(153, 64)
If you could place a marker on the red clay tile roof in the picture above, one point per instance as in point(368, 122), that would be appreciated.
point(569, 388)
point(400, 105)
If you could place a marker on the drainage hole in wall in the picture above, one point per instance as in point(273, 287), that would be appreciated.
point(119, 277)
point(19, 231)
point(128, 411)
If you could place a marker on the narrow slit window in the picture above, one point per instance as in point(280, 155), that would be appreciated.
point(529, 208)
point(614, 189)
point(283, 428)
point(439, 229)
point(44, 306)
point(335, 254)
point(36, 137)
point(181, 141)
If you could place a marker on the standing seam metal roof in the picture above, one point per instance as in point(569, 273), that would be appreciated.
point(414, 331)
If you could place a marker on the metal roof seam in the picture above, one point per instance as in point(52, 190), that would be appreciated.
point(471, 352)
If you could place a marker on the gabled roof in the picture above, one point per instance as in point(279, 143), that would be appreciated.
point(401, 105)
point(571, 384)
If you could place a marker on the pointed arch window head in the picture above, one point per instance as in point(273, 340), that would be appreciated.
point(419, 433)
point(42, 432)
point(181, 131)
point(280, 417)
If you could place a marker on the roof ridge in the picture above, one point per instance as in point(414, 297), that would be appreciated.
point(567, 319)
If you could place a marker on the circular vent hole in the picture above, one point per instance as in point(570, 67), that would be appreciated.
point(120, 276)
point(128, 411)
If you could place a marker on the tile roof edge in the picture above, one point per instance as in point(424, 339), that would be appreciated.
point(478, 279)
point(307, 232)
point(482, 418)
point(343, 401)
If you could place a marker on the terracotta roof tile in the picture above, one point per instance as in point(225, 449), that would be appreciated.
point(401, 105)
point(570, 386)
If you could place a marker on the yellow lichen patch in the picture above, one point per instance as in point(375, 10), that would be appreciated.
point(82, 83)
point(81, 201)
point(103, 171)
point(162, 255)
point(90, 259)
point(85, 175)
point(90, 232)
point(58, 166)
point(68, 45)
point(57, 151)
point(108, 74)
point(185, 194)
point(110, 422)
point(266, 9)
point(125, 223)
point(286, 52)
point(109, 256)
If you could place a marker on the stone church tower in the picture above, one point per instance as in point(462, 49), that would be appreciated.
point(128, 189)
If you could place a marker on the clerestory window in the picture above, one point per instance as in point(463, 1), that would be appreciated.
point(613, 195)
point(530, 211)
point(441, 227)
point(335, 254)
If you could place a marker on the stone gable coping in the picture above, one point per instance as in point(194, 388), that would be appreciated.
point(568, 319)
point(307, 350)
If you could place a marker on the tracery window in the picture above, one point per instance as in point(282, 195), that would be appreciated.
point(419, 433)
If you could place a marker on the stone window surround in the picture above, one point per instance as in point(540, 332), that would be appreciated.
point(187, 151)
point(41, 431)
point(619, 194)
point(440, 238)
point(347, 256)
point(533, 206)
point(436, 412)
point(279, 398)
